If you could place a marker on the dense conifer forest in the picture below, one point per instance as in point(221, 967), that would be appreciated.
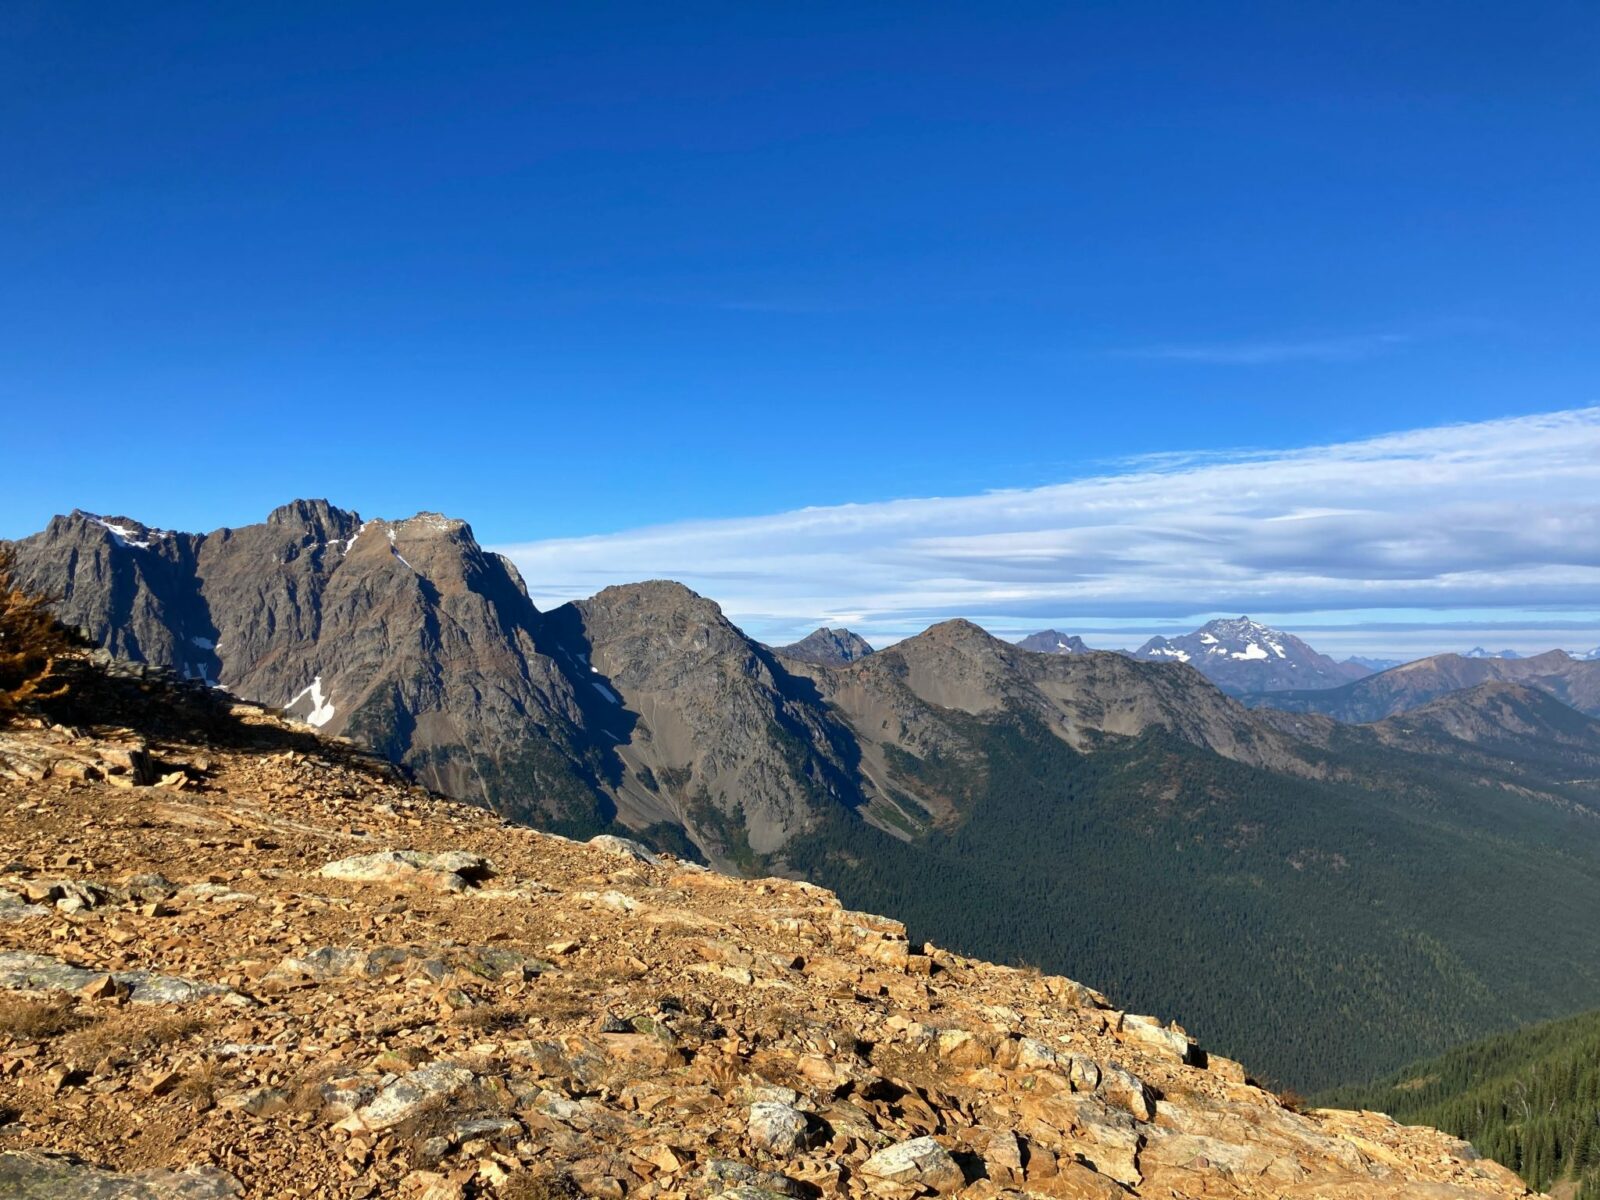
point(1529, 1099)
point(1318, 931)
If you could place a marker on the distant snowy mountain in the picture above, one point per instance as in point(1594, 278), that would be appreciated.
point(1052, 641)
point(1243, 656)
point(1480, 652)
point(1586, 655)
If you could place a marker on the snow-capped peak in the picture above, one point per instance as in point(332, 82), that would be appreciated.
point(1244, 656)
point(1242, 639)
point(124, 532)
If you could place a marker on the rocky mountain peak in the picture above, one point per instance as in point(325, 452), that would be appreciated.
point(958, 631)
point(126, 532)
point(1053, 641)
point(829, 647)
point(1244, 656)
point(321, 520)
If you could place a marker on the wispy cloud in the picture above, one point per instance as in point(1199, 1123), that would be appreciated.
point(1268, 353)
point(1493, 516)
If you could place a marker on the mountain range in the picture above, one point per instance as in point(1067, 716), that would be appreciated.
point(1573, 681)
point(1241, 656)
point(1120, 817)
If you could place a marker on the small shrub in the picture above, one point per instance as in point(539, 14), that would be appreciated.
point(492, 1018)
point(26, 1019)
point(534, 1184)
point(128, 1036)
point(31, 643)
point(1293, 1100)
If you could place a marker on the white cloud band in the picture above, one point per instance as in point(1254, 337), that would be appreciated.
point(1493, 515)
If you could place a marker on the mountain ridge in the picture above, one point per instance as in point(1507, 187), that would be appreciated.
point(1575, 682)
point(1037, 789)
point(1053, 641)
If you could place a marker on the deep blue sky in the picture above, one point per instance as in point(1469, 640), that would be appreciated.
point(575, 268)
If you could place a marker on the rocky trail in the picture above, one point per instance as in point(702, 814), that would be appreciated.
point(237, 959)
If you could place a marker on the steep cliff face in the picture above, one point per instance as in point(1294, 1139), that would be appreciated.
point(130, 588)
point(404, 635)
point(719, 737)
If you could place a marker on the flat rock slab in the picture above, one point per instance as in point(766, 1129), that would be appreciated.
point(624, 848)
point(14, 908)
point(46, 1177)
point(20, 971)
point(403, 1098)
point(921, 1162)
point(449, 870)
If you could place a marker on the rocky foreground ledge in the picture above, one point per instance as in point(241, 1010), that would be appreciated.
point(251, 963)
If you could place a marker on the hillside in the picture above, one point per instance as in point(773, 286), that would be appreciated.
point(1028, 807)
point(242, 959)
point(1529, 1099)
point(1575, 682)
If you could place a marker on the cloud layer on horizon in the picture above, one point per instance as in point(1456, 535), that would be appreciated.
point(1492, 516)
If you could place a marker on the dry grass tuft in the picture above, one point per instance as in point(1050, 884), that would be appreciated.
point(128, 1036)
point(491, 1018)
point(540, 1185)
point(31, 643)
point(29, 1019)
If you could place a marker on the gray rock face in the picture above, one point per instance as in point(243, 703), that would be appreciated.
point(21, 971)
point(920, 1162)
point(448, 871)
point(777, 1128)
point(721, 738)
point(404, 635)
point(25, 1176)
point(402, 1099)
point(828, 647)
point(624, 848)
point(1053, 641)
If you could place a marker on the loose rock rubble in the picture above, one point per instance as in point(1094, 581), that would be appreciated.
point(295, 975)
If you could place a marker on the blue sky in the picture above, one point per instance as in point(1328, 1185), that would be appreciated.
point(570, 270)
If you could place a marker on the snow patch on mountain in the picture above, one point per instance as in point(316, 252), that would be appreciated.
point(321, 708)
point(124, 535)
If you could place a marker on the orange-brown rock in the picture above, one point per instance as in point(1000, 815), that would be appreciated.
point(298, 976)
